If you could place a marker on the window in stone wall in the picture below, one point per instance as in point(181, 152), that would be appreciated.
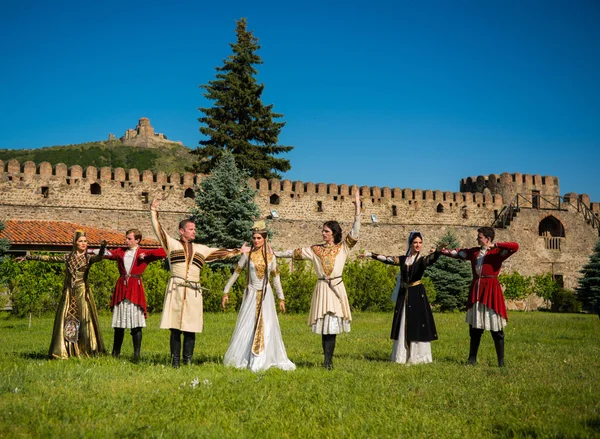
point(319, 206)
point(95, 189)
point(558, 278)
point(189, 193)
point(145, 197)
point(274, 199)
point(551, 226)
point(394, 210)
point(440, 208)
point(45, 191)
point(464, 212)
point(535, 199)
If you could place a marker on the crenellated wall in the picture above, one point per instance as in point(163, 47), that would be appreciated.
point(119, 199)
point(508, 185)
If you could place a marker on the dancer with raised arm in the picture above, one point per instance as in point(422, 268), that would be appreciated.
point(256, 343)
point(329, 308)
point(76, 330)
point(413, 327)
point(182, 310)
point(128, 301)
point(486, 309)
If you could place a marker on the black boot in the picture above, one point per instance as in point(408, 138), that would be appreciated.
point(136, 337)
point(498, 337)
point(474, 347)
point(328, 341)
point(189, 341)
point(118, 342)
point(175, 343)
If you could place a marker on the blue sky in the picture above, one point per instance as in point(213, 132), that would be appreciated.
point(397, 93)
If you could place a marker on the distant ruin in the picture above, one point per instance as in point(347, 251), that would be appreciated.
point(143, 135)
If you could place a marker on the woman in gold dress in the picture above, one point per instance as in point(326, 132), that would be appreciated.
point(76, 327)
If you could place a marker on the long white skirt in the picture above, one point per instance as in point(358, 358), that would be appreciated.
point(481, 317)
point(240, 353)
point(417, 352)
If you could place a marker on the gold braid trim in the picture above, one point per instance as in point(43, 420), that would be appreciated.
point(350, 241)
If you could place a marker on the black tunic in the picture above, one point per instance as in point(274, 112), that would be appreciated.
point(420, 326)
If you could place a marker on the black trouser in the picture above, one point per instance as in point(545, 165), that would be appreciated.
point(328, 342)
point(189, 341)
point(136, 336)
point(475, 334)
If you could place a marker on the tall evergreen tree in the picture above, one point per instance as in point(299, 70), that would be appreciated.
point(588, 291)
point(239, 122)
point(225, 209)
point(450, 277)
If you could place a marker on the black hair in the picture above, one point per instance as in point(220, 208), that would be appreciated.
point(336, 229)
point(488, 232)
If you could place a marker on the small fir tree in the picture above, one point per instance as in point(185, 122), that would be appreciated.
point(239, 122)
point(450, 277)
point(588, 291)
point(225, 209)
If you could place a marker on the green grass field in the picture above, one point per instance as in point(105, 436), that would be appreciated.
point(550, 387)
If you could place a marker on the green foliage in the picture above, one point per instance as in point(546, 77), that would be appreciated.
point(297, 284)
point(516, 286)
point(588, 290)
point(451, 277)
point(214, 279)
point(167, 157)
point(239, 122)
point(155, 279)
point(4, 244)
point(102, 278)
point(225, 209)
point(33, 287)
point(369, 285)
point(429, 289)
point(565, 301)
point(544, 286)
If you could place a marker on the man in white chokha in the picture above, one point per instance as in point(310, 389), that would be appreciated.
point(182, 309)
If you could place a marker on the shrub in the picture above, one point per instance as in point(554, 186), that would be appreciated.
point(565, 301)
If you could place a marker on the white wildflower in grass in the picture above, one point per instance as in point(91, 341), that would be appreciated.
point(206, 383)
point(194, 383)
point(16, 390)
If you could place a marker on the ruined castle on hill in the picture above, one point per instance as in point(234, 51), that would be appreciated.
point(143, 135)
point(556, 233)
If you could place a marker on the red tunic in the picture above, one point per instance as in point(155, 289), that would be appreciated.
point(485, 287)
point(130, 286)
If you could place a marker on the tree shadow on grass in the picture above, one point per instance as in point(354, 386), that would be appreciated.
point(39, 355)
point(593, 424)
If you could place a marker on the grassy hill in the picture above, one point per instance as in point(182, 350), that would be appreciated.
point(170, 157)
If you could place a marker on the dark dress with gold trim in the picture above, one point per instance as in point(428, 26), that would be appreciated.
point(76, 330)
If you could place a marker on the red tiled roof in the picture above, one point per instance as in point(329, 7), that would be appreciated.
point(20, 232)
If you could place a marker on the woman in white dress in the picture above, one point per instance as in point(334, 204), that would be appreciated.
point(329, 307)
point(256, 343)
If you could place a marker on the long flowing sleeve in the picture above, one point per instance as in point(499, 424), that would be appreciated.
point(431, 258)
point(98, 257)
point(507, 249)
point(219, 254)
point(238, 269)
point(296, 254)
point(46, 258)
point(352, 237)
point(457, 253)
point(160, 233)
point(277, 281)
point(390, 260)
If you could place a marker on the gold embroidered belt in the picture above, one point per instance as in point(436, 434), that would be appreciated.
point(414, 284)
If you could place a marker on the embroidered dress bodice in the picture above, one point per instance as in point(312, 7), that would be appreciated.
point(258, 260)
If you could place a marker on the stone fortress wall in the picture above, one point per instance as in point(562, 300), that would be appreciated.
point(118, 199)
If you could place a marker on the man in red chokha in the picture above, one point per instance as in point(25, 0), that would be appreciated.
point(128, 301)
point(183, 308)
point(486, 309)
